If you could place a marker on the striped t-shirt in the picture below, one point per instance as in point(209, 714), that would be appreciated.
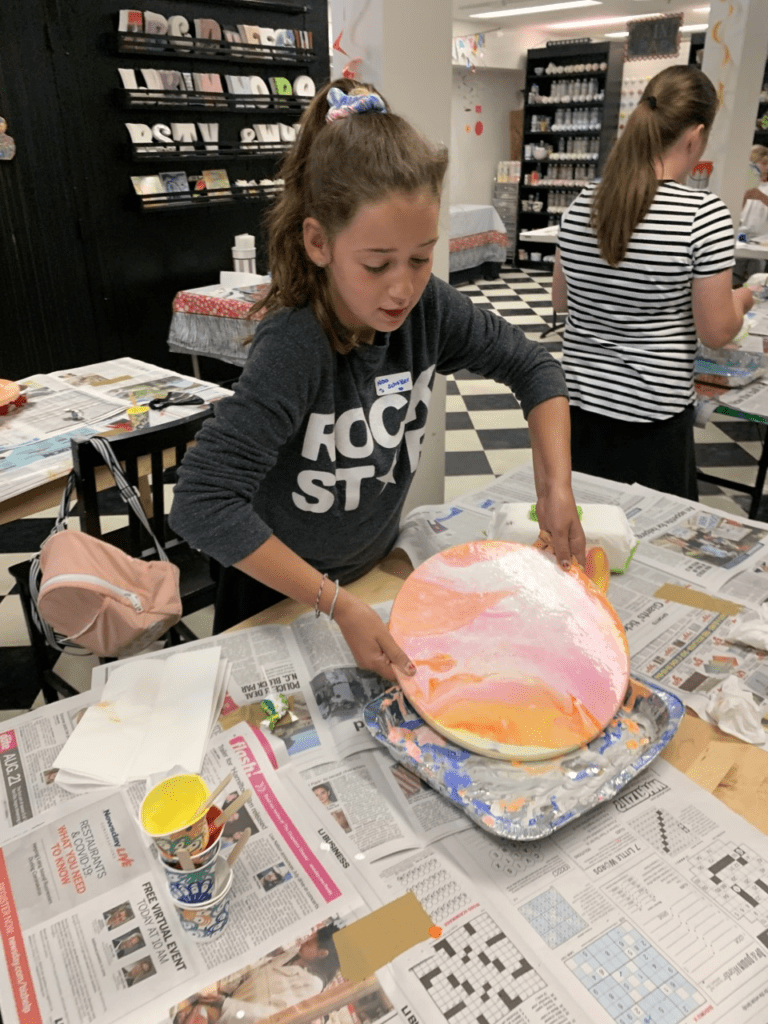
point(630, 340)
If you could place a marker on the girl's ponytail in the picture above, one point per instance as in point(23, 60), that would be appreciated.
point(675, 100)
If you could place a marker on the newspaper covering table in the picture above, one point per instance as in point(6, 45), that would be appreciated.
point(652, 908)
point(81, 402)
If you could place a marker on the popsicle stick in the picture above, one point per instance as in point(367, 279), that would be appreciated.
point(187, 864)
point(207, 803)
point(233, 808)
point(237, 849)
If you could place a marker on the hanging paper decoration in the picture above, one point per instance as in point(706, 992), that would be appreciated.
point(351, 68)
point(468, 50)
point(337, 44)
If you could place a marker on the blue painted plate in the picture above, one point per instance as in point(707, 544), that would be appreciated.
point(529, 800)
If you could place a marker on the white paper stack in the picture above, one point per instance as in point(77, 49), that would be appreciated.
point(154, 713)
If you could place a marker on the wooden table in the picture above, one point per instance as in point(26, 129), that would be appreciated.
point(732, 770)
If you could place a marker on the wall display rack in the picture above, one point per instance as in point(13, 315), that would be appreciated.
point(102, 284)
point(245, 95)
point(142, 44)
point(570, 120)
point(162, 99)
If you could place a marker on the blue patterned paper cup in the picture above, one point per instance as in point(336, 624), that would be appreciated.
point(192, 886)
point(207, 920)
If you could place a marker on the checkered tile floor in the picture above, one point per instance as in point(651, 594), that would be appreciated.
point(485, 436)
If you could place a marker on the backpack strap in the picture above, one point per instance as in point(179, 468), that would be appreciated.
point(128, 493)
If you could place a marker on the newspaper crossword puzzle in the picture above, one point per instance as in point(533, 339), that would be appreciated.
point(737, 878)
point(553, 918)
point(436, 890)
point(662, 831)
point(632, 981)
point(476, 974)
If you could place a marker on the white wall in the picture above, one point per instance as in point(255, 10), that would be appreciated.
point(474, 157)
point(412, 68)
point(504, 47)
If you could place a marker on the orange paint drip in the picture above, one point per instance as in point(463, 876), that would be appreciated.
point(435, 931)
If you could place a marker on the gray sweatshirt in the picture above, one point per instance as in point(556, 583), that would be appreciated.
point(320, 448)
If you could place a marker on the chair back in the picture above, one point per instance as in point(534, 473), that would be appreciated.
point(152, 450)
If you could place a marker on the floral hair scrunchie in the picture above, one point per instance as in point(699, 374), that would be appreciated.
point(344, 104)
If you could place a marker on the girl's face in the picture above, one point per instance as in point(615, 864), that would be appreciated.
point(379, 264)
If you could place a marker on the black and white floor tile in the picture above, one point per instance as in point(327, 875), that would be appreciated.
point(485, 436)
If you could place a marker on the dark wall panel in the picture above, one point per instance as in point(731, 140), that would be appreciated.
point(92, 276)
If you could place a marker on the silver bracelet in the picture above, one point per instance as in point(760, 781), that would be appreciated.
point(333, 602)
point(319, 595)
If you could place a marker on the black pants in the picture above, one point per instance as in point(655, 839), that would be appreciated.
point(238, 596)
point(658, 454)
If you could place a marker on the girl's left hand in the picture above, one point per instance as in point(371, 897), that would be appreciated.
point(556, 512)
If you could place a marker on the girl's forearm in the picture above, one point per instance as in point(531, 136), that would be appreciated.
point(276, 565)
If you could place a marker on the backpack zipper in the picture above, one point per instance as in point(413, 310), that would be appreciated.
point(80, 577)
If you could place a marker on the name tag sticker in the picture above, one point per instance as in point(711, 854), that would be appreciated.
point(394, 383)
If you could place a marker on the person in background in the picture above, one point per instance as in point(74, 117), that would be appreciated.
point(643, 267)
point(754, 215)
point(302, 473)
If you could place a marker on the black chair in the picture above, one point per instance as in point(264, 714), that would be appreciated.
point(156, 450)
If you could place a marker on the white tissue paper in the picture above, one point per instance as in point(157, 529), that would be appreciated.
point(152, 713)
point(731, 707)
point(605, 526)
point(751, 628)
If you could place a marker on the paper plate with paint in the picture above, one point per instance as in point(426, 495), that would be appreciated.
point(516, 657)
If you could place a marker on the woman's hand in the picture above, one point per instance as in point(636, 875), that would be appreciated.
point(369, 639)
point(556, 513)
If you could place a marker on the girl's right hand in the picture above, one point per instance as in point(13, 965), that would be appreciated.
point(369, 639)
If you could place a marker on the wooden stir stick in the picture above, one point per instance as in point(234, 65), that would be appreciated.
point(207, 803)
point(187, 864)
point(237, 849)
point(233, 808)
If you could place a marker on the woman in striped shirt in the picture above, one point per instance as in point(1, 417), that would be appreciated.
point(644, 267)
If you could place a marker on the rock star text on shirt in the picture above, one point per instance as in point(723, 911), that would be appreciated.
point(377, 445)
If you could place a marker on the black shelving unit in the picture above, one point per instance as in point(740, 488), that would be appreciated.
point(544, 193)
point(255, 160)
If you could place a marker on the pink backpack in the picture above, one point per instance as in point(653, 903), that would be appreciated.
point(92, 598)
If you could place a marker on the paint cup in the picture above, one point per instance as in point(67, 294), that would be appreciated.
point(207, 920)
point(209, 853)
point(192, 886)
point(170, 815)
point(139, 416)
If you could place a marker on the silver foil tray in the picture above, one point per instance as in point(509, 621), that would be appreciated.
point(529, 800)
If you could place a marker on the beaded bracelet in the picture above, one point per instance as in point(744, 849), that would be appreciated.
point(333, 602)
point(319, 595)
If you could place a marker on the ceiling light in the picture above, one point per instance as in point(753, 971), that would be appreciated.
point(598, 21)
point(565, 5)
point(616, 35)
point(694, 28)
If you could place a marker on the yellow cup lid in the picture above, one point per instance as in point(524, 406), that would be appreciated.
point(171, 805)
point(137, 409)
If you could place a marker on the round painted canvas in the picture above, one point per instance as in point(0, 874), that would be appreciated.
point(516, 658)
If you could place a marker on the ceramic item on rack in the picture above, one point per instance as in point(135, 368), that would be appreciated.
point(516, 657)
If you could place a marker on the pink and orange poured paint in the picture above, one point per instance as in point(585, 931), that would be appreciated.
point(516, 658)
